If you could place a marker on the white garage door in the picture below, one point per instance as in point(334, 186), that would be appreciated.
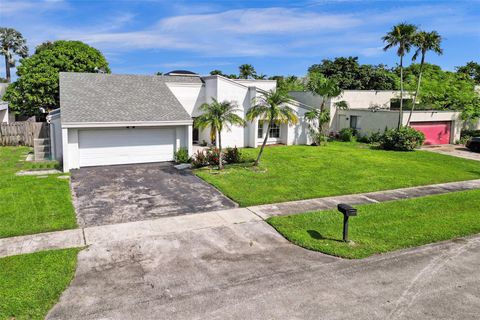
point(99, 147)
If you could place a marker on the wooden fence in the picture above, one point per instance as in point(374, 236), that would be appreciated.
point(22, 133)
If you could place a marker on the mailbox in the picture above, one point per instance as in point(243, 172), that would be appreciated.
point(347, 211)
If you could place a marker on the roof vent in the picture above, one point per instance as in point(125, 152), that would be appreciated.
point(181, 73)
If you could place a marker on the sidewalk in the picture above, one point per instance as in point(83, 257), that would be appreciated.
point(178, 224)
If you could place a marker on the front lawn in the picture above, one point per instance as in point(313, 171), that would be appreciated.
point(30, 204)
point(387, 226)
point(303, 172)
point(31, 284)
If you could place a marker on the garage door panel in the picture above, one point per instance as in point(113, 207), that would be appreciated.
point(437, 132)
point(123, 146)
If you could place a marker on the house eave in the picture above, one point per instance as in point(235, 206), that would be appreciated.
point(66, 125)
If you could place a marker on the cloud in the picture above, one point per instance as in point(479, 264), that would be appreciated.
point(12, 6)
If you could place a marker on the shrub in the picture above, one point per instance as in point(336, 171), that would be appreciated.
point(403, 139)
point(181, 156)
point(213, 155)
point(465, 135)
point(232, 155)
point(199, 159)
point(375, 137)
point(347, 134)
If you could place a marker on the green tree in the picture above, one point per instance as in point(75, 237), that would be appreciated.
point(472, 70)
point(319, 119)
point(37, 85)
point(401, 36)
point(288, 83)
point(424, 42)
point(351, 75)
point(271, 107)
point(216, 72)
point(246, 71)
point(445, 90)
point(12, 43)
point(219, 116)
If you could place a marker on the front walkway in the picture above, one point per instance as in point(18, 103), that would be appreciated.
point(453, 150)
point(185, 223)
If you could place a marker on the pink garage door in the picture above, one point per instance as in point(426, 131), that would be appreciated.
point(435, 132)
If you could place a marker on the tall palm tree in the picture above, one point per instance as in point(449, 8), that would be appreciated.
point(424, 42)
point(11, 43)
point(319, 85)
point(246, 71)
point(271, 107)
point(219, 116)
point(402, 36)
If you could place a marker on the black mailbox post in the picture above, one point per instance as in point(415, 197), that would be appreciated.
point(348, 211)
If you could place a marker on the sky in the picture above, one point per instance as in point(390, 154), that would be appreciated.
point(277, 37)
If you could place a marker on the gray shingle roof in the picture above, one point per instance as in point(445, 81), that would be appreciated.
point(96, 97)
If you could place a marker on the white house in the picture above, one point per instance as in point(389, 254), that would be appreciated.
point(5, 115)
point(108, 119)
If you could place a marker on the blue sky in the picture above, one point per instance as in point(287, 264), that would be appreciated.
point(277, 37)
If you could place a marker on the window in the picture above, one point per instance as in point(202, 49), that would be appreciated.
point(260, 129)
point(353, 122)
point(274, 131)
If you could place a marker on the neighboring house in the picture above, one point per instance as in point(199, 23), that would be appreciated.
point(370, 111)
point(109, 119)
point(5, 115)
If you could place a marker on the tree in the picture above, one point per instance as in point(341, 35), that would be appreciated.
point(37, 86)
point(326, 88)
point(445, 90)
point(424, 42)
point(246, 71)
point(12, 43)
point(288, 83)
point(350, 75)
point(401, 35)
point(271, 107)
point(216, 72)
point(219, 116)
point(159, 73)
point(260, 76)
point(472, 70)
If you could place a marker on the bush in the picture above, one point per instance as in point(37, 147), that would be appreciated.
point(199, 159)
point(372, 138)
point(213, 155)
point(347, 134)
point(181, 156)
point(465, 135)
point(232, 155)
point(403, 139)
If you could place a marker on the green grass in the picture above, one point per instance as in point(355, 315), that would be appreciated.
point(31, 284)
point(387, 226)
point(29, 204)
point(303, 172)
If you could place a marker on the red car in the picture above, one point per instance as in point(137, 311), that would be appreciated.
point(474, 144)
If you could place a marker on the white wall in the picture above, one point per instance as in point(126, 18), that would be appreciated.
point(368, 121)
point(4, 118)
point(265, 85)
point(56, 136)
point(190, 95)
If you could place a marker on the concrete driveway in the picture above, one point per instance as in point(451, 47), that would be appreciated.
point(454, 150)
point(248, 271)
point(116, 194)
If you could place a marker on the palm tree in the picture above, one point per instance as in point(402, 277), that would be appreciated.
point(424, 41)
point(217, 116)
point(319, 85)
point(11, 43)
point(401, 35)
point(270, 106)
point(246, 71)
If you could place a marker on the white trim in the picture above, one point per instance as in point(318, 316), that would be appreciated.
point(125, 124)
point(185, 84)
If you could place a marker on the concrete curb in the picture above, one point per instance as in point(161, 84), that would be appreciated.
point(168, 225)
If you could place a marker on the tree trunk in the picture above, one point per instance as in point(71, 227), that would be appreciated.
point(220, 164)
point(400, 113)
point(418, 88)
point(7, 68)
point(257, 162)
